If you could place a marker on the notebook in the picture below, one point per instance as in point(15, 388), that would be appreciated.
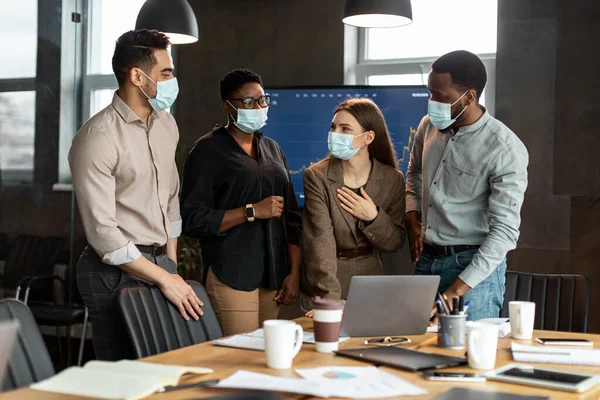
point(469, 394)
point(555, 355)
point(398, 357)
point(126, 380)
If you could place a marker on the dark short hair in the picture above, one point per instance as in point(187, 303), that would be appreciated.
point(465, 69)
point(136, 49)
point(234, 80)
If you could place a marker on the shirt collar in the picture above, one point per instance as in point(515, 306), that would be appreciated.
point(478, 124)
point(125, 112)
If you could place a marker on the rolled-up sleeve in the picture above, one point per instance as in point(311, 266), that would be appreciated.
point(200, 217)
point(414, 173)
point(508, 182)
point(92, 159)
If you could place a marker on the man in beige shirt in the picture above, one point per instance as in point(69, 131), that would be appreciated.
point(125, 178)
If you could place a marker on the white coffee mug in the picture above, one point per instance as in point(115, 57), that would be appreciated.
point(483, 345)
point(283, 341)
point(522, 316)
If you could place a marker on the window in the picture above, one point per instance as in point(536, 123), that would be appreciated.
point(17, 135)
point(108, 19)
point(18, 33)
point(403, 56)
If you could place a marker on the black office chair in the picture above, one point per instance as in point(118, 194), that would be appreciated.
point(562, 301)
point(30, 255)
point(156, 326)
point(30, 361)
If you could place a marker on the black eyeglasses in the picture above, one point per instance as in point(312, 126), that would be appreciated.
point(249, 102)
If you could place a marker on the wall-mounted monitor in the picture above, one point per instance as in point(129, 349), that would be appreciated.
point(300, 118)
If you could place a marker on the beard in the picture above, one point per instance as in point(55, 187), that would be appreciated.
point(150, 89)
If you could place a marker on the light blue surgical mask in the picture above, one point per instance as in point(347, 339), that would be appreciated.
point(166, 93)
point(440, 114)
point(250, 121)
point(340, 145)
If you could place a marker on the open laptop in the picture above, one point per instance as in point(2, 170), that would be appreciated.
point(389, 305)
point(8, 336)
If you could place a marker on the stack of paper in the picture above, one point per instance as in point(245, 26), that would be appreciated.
point(348, 382)
point(555, 355)
point(116, 380)
point(256, 340)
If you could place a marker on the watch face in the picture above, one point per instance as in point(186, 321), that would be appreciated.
point(250, 212)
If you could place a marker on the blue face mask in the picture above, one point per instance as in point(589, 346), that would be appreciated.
point(340, 145)
point(166, 93)
point(440, 114)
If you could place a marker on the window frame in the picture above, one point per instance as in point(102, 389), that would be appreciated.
point(366, 68)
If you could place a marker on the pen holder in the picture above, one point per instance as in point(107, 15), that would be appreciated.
point(451, 331)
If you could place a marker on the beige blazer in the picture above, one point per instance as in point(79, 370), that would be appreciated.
point(326, 227)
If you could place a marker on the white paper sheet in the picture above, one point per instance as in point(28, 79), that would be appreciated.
point(256, 340)
point(252, 380)
point(348, 382)
point(361, 382)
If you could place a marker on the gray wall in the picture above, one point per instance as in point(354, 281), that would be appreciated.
point(547, 85)
point(286, 42)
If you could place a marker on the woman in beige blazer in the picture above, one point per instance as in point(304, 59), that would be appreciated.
point(354, 203)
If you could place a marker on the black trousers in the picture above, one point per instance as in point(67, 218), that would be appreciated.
point(99, 285)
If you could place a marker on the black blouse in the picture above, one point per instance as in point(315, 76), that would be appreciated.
point(218, 176)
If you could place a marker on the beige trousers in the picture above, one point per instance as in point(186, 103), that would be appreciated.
point(239, 311)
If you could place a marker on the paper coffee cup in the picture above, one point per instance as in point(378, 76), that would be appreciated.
point(327, 318)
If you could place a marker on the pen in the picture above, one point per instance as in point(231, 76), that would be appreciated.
point(446, 308)
point(461, 304)
point(468, 304)
point(188, 386)
point(440, 309)
point(455, 308)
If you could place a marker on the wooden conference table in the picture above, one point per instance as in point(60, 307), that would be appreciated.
point(225, 361)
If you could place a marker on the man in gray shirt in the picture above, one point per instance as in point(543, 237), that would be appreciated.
point(464, 188)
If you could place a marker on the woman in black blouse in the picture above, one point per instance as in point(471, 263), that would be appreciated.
point(238, 199)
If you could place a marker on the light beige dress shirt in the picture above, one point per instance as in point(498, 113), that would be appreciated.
point(126, 181)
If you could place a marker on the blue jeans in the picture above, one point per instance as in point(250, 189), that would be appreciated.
point(487, 298)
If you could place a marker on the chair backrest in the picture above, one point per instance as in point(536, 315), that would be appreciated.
point(32, 255)
point(562, 301)
point(30, 361)
point(156, 326)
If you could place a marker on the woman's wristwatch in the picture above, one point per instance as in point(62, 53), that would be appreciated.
point(249, 213)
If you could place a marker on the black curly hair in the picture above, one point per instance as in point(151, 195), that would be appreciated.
point(235, 79)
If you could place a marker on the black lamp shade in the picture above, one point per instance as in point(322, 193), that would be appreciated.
point(175, 18)
point(377, 13)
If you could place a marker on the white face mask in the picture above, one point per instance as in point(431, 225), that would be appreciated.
point(166, 93)
point(340, 145)
point(440, 114)
point(250, 121)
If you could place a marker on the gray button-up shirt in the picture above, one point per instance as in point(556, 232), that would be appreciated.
point(469, 187)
